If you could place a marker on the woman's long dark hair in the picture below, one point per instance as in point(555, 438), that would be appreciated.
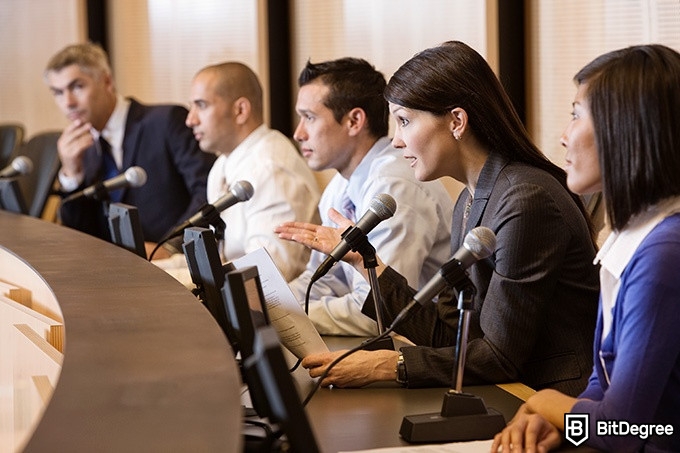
point(452, 75)
point(634, 99)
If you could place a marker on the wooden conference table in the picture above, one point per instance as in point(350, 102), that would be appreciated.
point(370, 417)
point(145, 367)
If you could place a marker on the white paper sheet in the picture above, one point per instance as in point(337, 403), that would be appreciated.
point(296, 331)
point(477, 446)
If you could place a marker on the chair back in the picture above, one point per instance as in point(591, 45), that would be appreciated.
point(38, 185)
point(11, 136)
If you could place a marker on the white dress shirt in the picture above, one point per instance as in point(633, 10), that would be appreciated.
point(285, 189)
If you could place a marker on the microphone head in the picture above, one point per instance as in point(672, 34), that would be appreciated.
point(481, 242)
point(242, 190)
point(23, 165)
point(383, 206)
point(135, 176)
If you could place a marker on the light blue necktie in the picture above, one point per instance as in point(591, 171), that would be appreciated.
point(348, 208)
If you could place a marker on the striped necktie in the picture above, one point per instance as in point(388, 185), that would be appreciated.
point(348, 208)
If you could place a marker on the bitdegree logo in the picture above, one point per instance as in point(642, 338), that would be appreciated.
point(576, 427)
point(623, 428)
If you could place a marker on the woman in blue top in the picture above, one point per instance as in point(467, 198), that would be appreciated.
point(624, 140)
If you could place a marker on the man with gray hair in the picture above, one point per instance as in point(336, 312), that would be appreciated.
point(108, 134)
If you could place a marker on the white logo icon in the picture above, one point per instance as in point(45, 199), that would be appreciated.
point(576, 428)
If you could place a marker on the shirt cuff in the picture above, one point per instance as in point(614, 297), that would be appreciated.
point(70, 183)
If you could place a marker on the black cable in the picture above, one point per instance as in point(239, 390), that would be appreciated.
point(307, 293)
point(295, 367)
point(210, 216)
point(153, 252)
point(343, 356)
point(163, 240)
point(270, 435)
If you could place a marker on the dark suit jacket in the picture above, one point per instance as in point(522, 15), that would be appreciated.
point(536, 302)
point(157, 140)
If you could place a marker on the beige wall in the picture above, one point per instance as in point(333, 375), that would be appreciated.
point(30, 31)
point(157, 45)
point(566, 35)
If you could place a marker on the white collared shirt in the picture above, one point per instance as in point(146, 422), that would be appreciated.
point(114, 131)
point(285, 189)
point(618, 250)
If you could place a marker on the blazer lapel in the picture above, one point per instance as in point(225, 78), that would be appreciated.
point(487, 179)
point(132, 135)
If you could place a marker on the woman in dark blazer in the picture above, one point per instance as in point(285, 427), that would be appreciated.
point(536, 296)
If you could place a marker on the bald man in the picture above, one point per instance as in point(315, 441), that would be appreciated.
point(226, 117)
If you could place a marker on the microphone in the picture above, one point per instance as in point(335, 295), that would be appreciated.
point(478, 244)
point(21, 165)
point(463, 416)
point(133, 177)
point(239, 191)
point(382, 207)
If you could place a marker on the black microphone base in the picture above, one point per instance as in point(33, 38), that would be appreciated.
point(463, 417)
point(383, 343)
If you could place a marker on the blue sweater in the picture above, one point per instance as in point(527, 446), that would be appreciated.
point(642, 351)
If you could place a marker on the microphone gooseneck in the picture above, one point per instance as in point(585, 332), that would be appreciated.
point(478, 244)
point(133, 177)
point(239, 191)
point(381, 207)
point(209, 214)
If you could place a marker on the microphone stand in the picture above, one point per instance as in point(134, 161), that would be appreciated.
point(211, 216)
point(463, 416)
point(358, 242)
point(103, 195)
point(464, 307)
